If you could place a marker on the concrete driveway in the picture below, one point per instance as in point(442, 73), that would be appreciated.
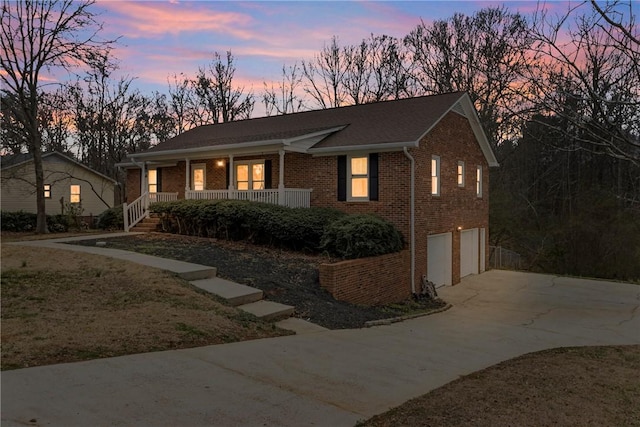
point(332, 378)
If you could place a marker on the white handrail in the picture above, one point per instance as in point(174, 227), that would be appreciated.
point(134, 213)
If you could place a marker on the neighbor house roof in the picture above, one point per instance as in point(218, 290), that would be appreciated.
point(383, 125)
point(11, 161)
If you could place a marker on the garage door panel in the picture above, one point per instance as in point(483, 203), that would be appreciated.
point(439, 256)
point(469, 255)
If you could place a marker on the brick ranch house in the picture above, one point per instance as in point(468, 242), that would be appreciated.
point(421, 163)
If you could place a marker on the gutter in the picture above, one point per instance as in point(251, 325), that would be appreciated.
point(413, 220)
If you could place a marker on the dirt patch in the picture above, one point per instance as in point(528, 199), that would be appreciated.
point(585, 386)
point(60, 306)
point(285, 277)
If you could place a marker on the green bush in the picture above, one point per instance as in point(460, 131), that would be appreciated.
point(111, 219)
point(24, 221)
point(359, 236)
point(302, 229)
point(259, 223)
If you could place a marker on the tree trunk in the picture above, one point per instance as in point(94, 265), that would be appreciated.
point(41, 219)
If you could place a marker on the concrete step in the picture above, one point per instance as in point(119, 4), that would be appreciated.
point(234, 293)
point(268, 310)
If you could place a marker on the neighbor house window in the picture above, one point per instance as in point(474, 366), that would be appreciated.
point(198, 175)
point(435, 175)
point(250, 175)
point(460, 174)
point(75, 193)
point(47, 191)
point(358, 181)
point(479, 181)
point(153, 180)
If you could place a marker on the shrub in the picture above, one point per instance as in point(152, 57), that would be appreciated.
point(260, 223)
point(24, 221)
point(111, 219)
point(359, 236)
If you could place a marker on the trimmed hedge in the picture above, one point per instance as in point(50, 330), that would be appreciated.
point(259, 223)
point(24, 221)
point(301, 229)
point(359, 236)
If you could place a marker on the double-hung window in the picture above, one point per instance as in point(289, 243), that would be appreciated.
point(479, 181)
point(358, 178)
point(250, 175)
point(47, 191)
point(74, 191)
point(153, 181)
point(435, 175)
point(460, 173)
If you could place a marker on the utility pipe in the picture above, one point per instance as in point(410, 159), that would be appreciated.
point(413, 220)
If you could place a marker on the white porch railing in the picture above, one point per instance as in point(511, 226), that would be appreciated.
point(162, 197)
point(137, 210)
point(290, 197)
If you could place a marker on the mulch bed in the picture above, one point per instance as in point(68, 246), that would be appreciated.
point(285, 277)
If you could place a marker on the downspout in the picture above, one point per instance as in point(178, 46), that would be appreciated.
point(413, 220)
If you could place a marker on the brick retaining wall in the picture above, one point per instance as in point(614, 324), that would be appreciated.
point(369, 281)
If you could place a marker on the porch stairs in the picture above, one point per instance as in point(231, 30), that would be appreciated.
point(147, 224)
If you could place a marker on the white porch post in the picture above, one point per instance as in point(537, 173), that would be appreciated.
point(281, 196)
point(143, 178)
point(187, 176)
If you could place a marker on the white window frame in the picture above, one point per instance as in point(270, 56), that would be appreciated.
point(435, 176)
point(194, 167)
point(155, 181)
point(249, 164)
point(460, 173)
point(72, 193)
point(47, 191)
point(351, 176)
point(479, 181)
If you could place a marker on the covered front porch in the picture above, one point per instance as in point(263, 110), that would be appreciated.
point(232, 177)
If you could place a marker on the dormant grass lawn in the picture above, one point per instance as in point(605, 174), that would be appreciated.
point(61, 306)
point(584, 386)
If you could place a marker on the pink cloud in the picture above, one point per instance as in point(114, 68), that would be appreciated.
point(148, 19)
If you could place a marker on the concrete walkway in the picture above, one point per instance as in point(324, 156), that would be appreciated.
point(328, 378)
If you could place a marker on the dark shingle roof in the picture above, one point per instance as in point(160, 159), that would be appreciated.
point(398, 121)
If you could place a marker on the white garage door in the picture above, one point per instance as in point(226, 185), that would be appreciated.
point(439, 255)
point(469, 252)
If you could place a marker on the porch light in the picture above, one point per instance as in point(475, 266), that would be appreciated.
point(220, 163)
point(459, 228)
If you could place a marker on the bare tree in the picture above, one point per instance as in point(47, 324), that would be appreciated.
point(39, 35)
point(219, 100)
point(483, 54)
point(324, 76)
point(286, 98)
point(590, 81)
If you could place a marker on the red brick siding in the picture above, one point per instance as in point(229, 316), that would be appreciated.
point(132, 185)
point(368, 281)
point(453, 140)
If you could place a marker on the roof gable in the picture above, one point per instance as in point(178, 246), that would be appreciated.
point(9, 162)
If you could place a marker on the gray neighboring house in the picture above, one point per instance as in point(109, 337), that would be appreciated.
point(66, 181)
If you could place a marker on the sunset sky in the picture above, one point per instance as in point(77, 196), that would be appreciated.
point(160, 38)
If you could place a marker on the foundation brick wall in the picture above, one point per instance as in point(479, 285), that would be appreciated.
point(369, 281)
